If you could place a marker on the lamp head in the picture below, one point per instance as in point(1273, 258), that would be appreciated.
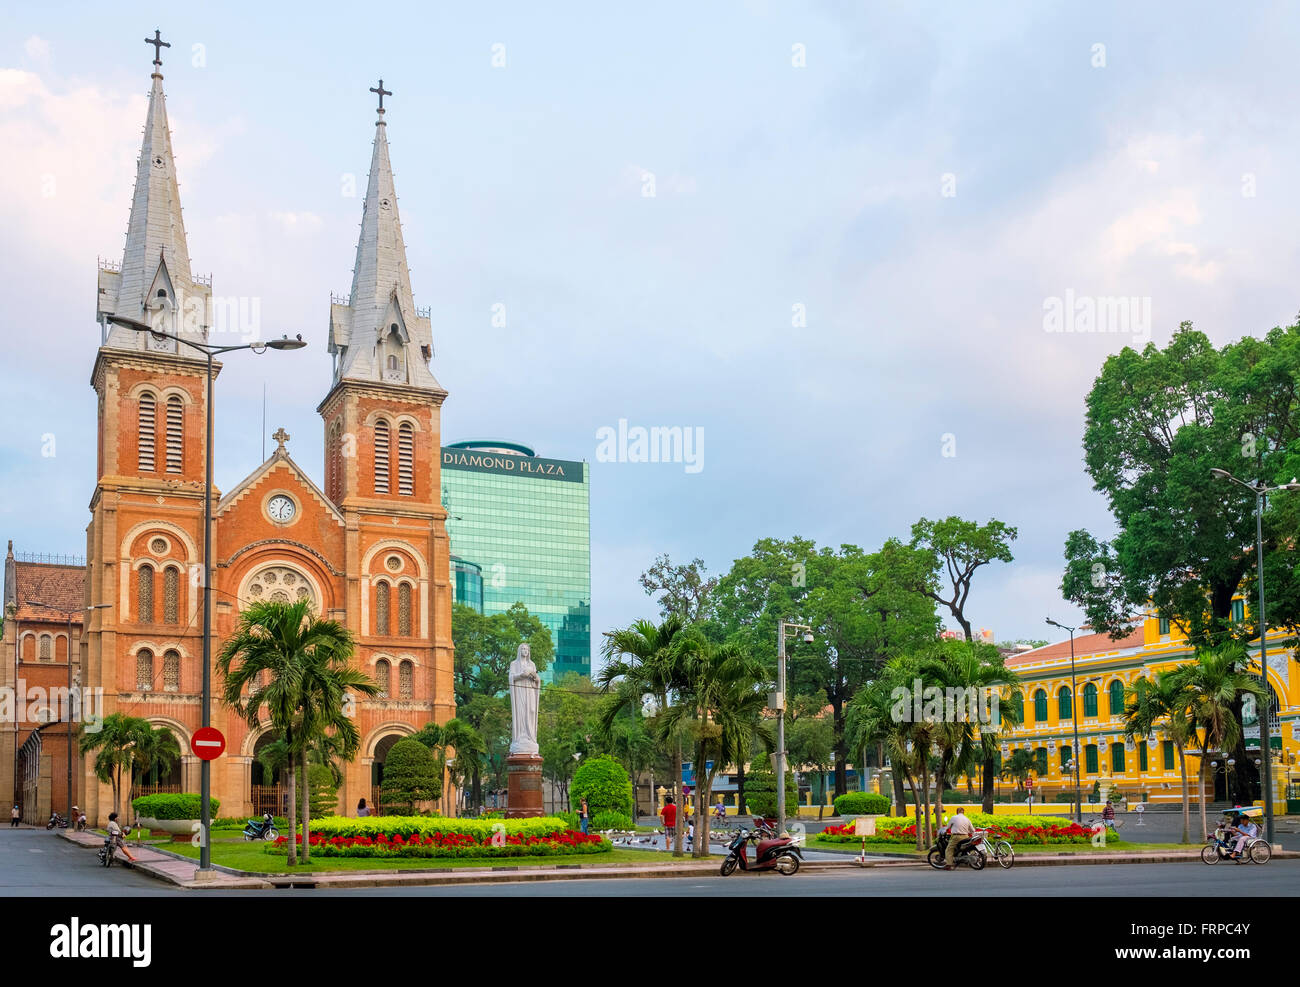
point(285, 343)
point(808, 637)
point(1219, 474)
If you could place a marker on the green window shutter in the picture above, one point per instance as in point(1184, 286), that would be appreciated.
point(1040, 706)
point(1164, 626)
point(1142, 756)
point(1089, 700)
point(1090, 759)
point(1040, 761)
point(1117, 698)
point(1238, 611)
point(1116, 756)
point(1065, 756)
point(1168, 746)
point(1063, 707)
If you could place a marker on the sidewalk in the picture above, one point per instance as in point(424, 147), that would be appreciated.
point(169, 867)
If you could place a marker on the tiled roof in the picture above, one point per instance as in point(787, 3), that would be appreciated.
point(60, 586)
point(1084, 646)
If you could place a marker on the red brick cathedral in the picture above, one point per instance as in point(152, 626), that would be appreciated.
point(369, 548)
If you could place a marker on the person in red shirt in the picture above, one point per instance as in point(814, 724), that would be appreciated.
point(669, 814)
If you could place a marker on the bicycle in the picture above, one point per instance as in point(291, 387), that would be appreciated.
point(1001, 851)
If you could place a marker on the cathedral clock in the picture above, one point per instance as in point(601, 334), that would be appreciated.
point(281, 508)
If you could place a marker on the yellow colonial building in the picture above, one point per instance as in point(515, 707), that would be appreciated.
point(1139, 767)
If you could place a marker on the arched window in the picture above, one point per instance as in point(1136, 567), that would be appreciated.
point(171, 595)
point(1116, 698)
point(382, 675)
point(172, 671)
point(144, 670)
point(392, 362)
point(404, 609)
point(382, 609)
point(175, 434)
point(1090, 759)
point(335, 454)
point(144, 594)
point(146, 429)
point(405, 677)
point(47, 647)
point(1116, 757)
point(1089, 699)
point(1040, 706)
point(406, 460)
point(382, 442)
point(1064, 708)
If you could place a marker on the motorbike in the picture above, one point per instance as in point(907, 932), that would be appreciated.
point(968, 852)
point(105, 852)
point(774, 852)
point(261, 829)
point(56, 822)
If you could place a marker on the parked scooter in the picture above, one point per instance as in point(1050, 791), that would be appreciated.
point(968, 852)
point(261, 829)
point(774, 852)
point(56, 822)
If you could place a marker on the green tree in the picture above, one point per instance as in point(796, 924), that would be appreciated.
point(410, 776)
point(1161, 703)
point(567, 726)
point(114, 746)
point(643, 661)
point(810, 740)
point(291, 668)
point(324, 790)
point(684, 590)
point(458, 752)
point(957, 549)
point(1213, 686)
point(762, 790)
point(604, 783)
point(1018, 767)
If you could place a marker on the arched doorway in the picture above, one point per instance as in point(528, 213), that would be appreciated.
point(384, 745)
point(267, 775)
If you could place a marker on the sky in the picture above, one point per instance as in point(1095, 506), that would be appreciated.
point(835, 239)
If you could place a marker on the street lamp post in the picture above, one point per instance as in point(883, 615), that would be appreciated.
point(1262, 490)
point(210, 351)
point(1074, 710)
point(72, 823)
point(779, 706)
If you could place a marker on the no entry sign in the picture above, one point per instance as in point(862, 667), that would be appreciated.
point(207, 743)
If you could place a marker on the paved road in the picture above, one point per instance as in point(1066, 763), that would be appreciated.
point(34, 862)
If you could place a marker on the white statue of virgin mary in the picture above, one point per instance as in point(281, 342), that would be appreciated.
point(525, 689)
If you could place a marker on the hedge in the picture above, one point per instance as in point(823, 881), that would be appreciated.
point(862, 804)
point(604, 783)
point(185, 806)
point(1018, 829)
point(428, 825)
point(760, 792)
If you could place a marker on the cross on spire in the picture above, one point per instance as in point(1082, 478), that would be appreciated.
point(382, 93)
point(281, 437)
point(159, 44)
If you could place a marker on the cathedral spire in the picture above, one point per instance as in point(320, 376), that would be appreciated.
point(154, 283)
point(377, 334)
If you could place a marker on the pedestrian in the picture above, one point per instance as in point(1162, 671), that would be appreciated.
point(584, 817)
point(14, 816)
point(960, 829)
point(116, 835)
point(1108, 814)
point(363, 810)
point(669, 814)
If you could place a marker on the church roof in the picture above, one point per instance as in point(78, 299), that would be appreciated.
point(61, 587)
point(156, 255)
point(279, 457)
point(381, 297)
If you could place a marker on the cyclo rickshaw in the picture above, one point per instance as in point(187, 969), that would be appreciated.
point(1221, 844)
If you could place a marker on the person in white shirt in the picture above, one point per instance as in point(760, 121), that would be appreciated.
point(960, 829)
point(1246, 831)
point(115, 834)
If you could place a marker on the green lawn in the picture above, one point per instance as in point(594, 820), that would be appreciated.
point(250, 857)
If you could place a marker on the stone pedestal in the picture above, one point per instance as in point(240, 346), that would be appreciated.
point(524, 772)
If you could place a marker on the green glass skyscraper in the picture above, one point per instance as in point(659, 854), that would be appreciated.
point(520, 528)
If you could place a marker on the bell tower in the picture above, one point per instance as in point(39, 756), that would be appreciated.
point(382, 422)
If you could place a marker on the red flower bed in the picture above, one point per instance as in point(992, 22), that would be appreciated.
point(451, 845)
point(1050, 833)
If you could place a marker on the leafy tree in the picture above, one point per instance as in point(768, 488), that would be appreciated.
point(567, 726)
point(489, 716)
point(810, 739)
point(486, 645)
point(458, 751)
point(861, 607)
point(761, 794)
point(1162, 703)
point(957, 549)
point(114, 746)
point(324, 790)
point(604, 783)
point(684, 589)
point(410, 776)
point(1018, 767)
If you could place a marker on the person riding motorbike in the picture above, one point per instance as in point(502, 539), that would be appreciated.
point(116, 834)
point(960, 829)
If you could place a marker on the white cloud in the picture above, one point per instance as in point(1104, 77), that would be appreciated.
point(37, 48)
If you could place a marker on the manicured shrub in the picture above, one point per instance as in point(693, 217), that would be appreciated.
point(760, 792)
point(410, 776)
point(324, 797)
point(185, 806)
point(861, 804)
point(1018, 829)
point(604, 783)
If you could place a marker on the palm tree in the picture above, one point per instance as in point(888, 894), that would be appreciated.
point(641, 661)
point(275, 666)
point(1214, 686)
point(156, 747)
point(1148, 704)
point(114, 746)
point(1018, 767)
point(723, 698)
point(459, 739)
